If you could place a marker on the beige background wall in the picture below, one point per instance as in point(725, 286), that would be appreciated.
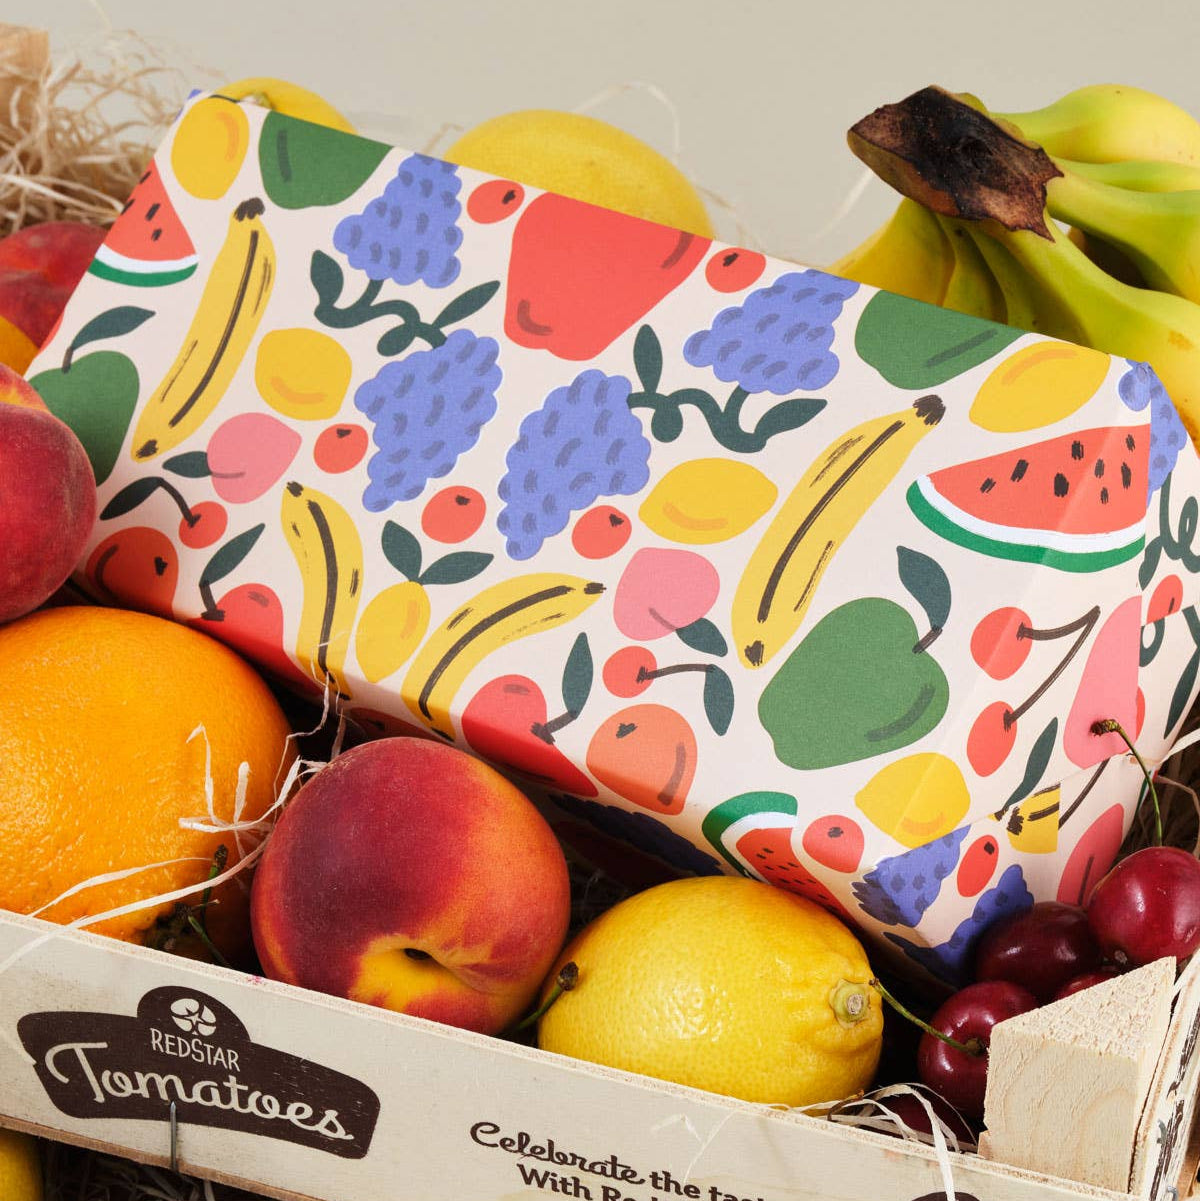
point(763, 89)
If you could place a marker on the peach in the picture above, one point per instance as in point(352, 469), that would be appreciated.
point(47, 506)
point(411, 876)
point(40, 266)
point(15, 391)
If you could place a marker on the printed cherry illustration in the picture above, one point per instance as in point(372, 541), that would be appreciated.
point(663, 590)
point(453, 514)
point(646, 754)
point(968, 1016)
point(1001, 642)
point(1148, 907)
point(1041, 949)
point(1167, 598)
point(136, 568)
point(626, 672)
point(835, 842)
point(1086, 980)
point(204, 524)
point(733, 269)
point(248, 454)
point(340, 448)
point(977, 866)
point(494, 200)
point(991, 738)
point(601, 532)
point(506, 722)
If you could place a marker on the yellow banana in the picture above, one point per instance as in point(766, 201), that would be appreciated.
point(843, 482)
point(514, 608)
point(1139, 175)
point(971, 288)
point(909, 255)
point(228, 314)
point(1109, 122)
point(328, 551)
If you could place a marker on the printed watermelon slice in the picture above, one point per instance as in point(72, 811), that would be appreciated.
point(1076, 502)
point(147, 245)
point(753, 833)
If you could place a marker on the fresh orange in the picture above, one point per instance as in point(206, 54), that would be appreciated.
point(724, 984)
point(98, 765)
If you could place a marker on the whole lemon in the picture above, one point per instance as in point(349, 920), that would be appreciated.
point(20, 1169)
point(724, 984)
point(586, 159)
point(290, 99)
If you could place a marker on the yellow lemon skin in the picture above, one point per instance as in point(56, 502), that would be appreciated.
point(302, 373)
point(916, 799)
point(20, 1167)
point(289, 99)
point(724, 984)
point(707, 500)
point(586, 159)
point(209, 147)
point(391, 627)
point(1037, 386)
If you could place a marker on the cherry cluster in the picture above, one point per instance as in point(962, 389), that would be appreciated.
point(1147, 907)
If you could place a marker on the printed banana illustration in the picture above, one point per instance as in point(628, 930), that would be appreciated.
point(227, 316)
point(328, 551)
point(1032, 826)
point(843, 482)
point(516, 608)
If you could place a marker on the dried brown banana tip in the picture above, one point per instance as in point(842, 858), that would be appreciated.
point(956, 160)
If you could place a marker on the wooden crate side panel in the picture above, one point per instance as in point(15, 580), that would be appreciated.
point(116, 1030)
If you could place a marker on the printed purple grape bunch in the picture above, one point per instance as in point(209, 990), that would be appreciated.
point(427, 409)
point(583, 443)
point(779, 338)
point(899, 889)
point(411, 232)
point(1139, 387)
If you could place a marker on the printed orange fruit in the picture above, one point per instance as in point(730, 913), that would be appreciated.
point(106, 723)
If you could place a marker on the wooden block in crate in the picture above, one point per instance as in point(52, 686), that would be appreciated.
point(301, 1096)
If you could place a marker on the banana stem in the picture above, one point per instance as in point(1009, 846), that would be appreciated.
point(1111, 726)
point(973, 1046)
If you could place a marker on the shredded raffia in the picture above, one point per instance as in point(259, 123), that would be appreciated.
point(77, 131)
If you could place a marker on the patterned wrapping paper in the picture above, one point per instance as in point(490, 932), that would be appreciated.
point(760, 570)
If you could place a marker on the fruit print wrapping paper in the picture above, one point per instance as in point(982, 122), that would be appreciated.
point(754, 568)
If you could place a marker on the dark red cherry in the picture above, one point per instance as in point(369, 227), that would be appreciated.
point(1148, 907)
point(1039, 949)
point(971, 1013)
point(1079, 983)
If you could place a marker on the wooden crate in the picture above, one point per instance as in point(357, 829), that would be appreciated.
point(302, 1096)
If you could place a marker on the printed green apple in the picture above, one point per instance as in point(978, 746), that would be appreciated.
point(861, 684)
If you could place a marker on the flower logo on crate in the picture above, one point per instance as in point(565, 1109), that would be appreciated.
point(108, 1065)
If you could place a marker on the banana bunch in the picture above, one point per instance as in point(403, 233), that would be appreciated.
point(1109, 259)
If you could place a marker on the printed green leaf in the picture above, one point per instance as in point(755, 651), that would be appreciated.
point(454, 568)
point(327, 278)
point(402, 550)
point(577, 676)
point(466, 305)
point(1035, 765)
point(718, 699)
point(397, 341)
point(229, 556)
point(111, 324)
point(915, 345)
point(129, 497)
point(927, 584)
point(192, 465)
point(647, 358)
point(1182, 693)
point(704, 637)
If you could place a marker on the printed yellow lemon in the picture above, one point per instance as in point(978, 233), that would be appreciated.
point(289, 99)
point(587, 159)
point(707, 500)
point(20, 1171)
point(916, 799)
point(391, 628)
point(724, 984)
point(209, 147)
point(1037, 386)
point(302, 373)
